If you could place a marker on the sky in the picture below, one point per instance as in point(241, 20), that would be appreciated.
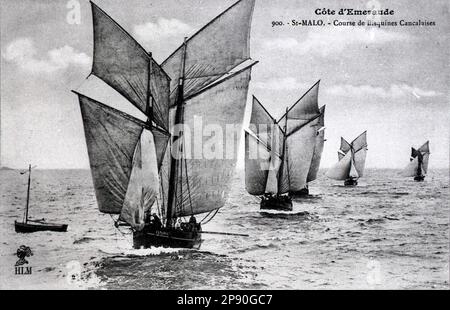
point(391, 81)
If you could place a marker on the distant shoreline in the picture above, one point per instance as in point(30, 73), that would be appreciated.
point(6, 168)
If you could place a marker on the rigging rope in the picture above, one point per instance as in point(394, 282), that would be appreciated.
point(209, 220)
point(188, 187)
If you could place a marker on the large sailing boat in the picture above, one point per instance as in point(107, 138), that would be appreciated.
point(352, 159)
point(143, 170)
point(282, 156)
point(418, 164)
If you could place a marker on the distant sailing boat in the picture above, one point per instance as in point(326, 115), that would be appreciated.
point(29, 226)
point(352, 158)
point(142, 171)
point(418, 165)
point(306, 131)
point(282, 156)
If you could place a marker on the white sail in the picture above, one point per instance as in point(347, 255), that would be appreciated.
point(318, 147)
point(205, 183)
point(411, 169)
point(425, 148)
point(360, 161)
point(257, 161)
point(299, 155)
point(341, 170)
point(353, 173)
point(303, 111)
point(262, 123)
point(143, 185)
point(425, 160)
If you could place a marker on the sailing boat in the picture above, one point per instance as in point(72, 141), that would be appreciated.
point(307, 127)
point(352, 158)
point(418, 164)
point(142, 170)
point(282, 156)
point(29, 226)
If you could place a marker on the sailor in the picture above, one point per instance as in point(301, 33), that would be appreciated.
point(178, 224)
point(156, 221)
point(193, 223)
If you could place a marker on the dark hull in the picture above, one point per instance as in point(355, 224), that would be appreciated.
point(276, 203)
point(301, 193)
point(350, 182)
point(34, 227)
point(168, 238)
point(419, 178)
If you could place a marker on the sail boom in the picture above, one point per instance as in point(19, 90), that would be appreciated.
point(303, 125)
point(261, 142)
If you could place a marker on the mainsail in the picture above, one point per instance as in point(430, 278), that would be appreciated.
point(418, 164)
point(352, 158)
point(207, 86)
point(318, 148)
point(204, 182)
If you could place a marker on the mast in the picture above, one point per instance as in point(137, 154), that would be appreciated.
point(174, 159)
point(28, 193)
point(149, 93)
point(419, 166)
point(280, 171)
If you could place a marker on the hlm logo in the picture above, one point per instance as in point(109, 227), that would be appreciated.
point(22, 252)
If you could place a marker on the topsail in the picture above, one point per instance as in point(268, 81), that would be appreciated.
point(213, 51)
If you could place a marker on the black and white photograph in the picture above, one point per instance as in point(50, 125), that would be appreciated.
point(224, 145)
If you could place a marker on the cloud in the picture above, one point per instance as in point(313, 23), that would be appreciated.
point(285, 83)
point(395, 91)
point(23, 53)
point(333, 40)
point(162, 29)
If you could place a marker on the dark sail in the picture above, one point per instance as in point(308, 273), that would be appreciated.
point(111, 138)
point(124, 65)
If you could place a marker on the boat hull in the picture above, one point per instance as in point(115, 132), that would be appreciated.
point(282, 203)
point(21, 227)
point(301, 193)
point(419, 178)
point(351, 182)
point(167, 238)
